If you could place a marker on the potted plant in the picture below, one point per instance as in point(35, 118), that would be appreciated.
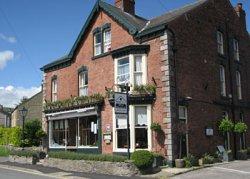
point(156, 127)
point(206, 159)
point(241, 128)
point(179, 163)
point(226, 126)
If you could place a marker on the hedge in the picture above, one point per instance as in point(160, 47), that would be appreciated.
point(4, 152)
point(10, 136)
point(82, 156)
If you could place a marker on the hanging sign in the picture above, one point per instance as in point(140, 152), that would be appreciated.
point(121, 103)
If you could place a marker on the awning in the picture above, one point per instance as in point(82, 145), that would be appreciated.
point(91, 111)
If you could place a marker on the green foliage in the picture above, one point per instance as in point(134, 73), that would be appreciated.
point(32, 133)
point(145, 89)
point(82, 156)
point(10, 136)
point(143, 159)
point(4, 152)
point(190, 161)
point(156, 127)
point(240, 127)
point(226, 125)
point(74, 102)
point(208, 159)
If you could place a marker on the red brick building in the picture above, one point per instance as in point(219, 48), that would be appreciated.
point(197, 57)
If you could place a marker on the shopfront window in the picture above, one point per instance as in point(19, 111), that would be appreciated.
point(88, 131)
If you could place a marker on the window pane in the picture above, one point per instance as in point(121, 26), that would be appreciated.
point(182, 112)
point(138, 64)
point(98, 49)
point(72, 132)
point(222, 81)
point(98, 38)
point(107, 41)
point(123, 75)
point(141, 138)
point(57, 138)
point(141, 116)
point(138, 78)
point(121, 123)
point(88, 131)
point(122, 138)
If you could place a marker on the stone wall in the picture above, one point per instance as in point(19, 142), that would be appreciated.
point(109, 168)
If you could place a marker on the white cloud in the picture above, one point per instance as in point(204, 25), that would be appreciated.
point(5, 56)
point(10, 96)
point(9, 39)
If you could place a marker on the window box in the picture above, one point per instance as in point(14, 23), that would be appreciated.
point(74, 103)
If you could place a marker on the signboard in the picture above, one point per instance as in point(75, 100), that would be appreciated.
point(121, 103)
point(209, 131)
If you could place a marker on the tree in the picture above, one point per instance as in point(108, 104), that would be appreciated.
point(241, 128)
point(33, 133)
point(226, 126)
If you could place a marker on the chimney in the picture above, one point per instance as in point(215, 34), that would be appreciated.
point(241, 13)
point(127, 6)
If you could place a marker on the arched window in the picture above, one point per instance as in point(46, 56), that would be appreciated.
point(83, 81)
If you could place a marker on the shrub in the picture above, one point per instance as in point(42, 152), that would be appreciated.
point(82, 156)
point(190, 161)
point(226, 125)
point(156, 127)
point(4, 152)
point(143, 159)
point(240, 127)
point(10, 136)
point(145, 89)
point(33, 133)
point(208, 159)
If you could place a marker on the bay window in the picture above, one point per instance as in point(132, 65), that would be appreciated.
point(236, 50)
point(222, 81)
point(54, 90)
point(131, 69)
point(238, 85)
point(83, 83)
point(97, 43)
point(220, 42)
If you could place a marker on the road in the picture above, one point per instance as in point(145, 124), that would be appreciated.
point(233, 170)
point(22, 171)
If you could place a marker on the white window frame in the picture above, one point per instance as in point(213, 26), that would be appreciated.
point(82, 84)
point(132, 129)
point(54, 89)
point(223, 90)
point(236, 50)
point(132, 69)
point(106, 44)
point(238, 85)
point(220, 42)
point(97, 45)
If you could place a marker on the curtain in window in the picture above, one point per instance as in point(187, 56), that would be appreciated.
point(123, 71)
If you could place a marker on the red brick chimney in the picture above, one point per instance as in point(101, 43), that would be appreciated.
point(241, 13)
point(126, 6)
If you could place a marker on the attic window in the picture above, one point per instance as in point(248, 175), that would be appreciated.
point(102, 39)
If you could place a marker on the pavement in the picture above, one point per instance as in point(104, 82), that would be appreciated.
point(232, 170)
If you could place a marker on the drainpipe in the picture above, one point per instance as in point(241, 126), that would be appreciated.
point(231, 83)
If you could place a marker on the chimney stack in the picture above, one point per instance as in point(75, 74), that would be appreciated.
point(127, 6)
point(241, 13)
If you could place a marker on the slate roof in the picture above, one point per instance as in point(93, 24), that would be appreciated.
point(135, 25)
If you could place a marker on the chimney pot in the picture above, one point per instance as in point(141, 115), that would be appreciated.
point(127, 6)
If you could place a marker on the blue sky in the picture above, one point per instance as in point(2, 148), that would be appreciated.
point(34, 33)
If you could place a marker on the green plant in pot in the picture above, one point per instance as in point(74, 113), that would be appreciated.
point(240, 128)
point(156, 127)
point(143, 159)
point(226, 126)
